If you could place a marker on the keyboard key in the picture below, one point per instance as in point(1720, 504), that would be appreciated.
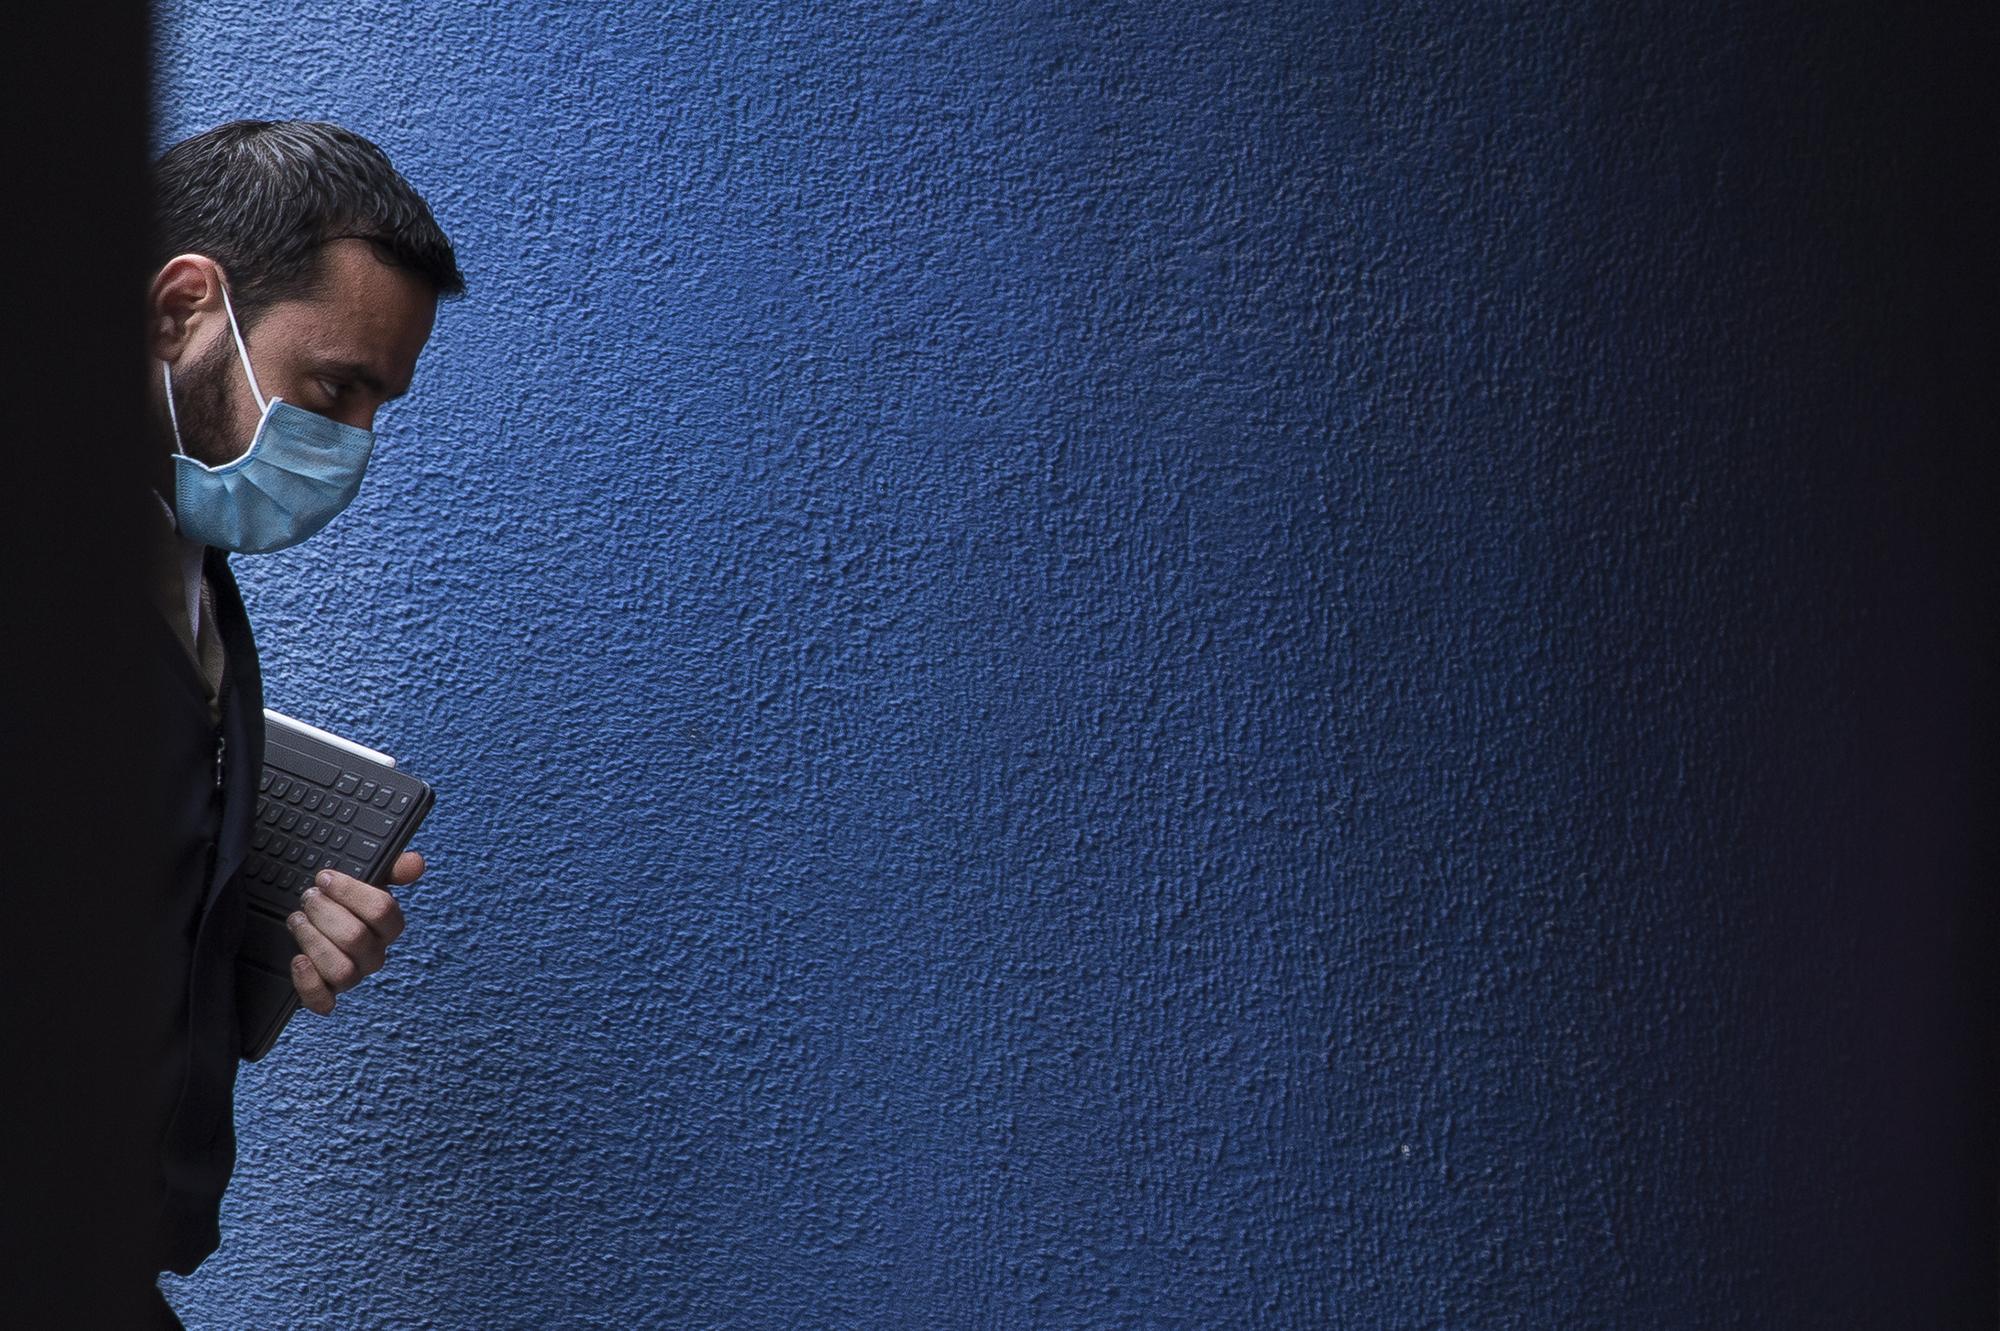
point(296, 793)
point(264, 781)
point(289, 821)
point(373, 824)
point(339, 839)
point(292, 853)
point(346, 814)
point(399, 804)
point(347, 784)
point(262, 839)
point(272, 812)
point(279, 787)
point(312, 800)
point(365, 849)
point(366, 793)
point(381, 800)
point(322, 832)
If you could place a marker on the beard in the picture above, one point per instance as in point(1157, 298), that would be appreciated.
point(201, 401)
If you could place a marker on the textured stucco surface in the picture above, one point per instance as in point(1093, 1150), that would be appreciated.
point(1095, 669)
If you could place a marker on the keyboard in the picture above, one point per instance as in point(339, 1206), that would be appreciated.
point(326, 818)
point(322, 803)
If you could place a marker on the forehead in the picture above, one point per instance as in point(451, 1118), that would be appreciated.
point(361, 311)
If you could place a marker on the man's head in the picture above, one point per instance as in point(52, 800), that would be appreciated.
point(332, 264)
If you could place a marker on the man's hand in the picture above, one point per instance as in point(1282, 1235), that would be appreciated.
point(344, 927)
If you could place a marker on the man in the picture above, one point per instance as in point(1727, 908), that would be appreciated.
point(297, 278)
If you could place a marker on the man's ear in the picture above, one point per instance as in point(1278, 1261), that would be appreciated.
point(186, 297)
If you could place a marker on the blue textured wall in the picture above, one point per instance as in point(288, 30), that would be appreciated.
point(1142, 668)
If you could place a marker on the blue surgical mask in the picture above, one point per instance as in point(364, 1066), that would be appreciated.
point(300, 471)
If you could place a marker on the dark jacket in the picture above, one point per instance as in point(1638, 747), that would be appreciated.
point(215, 769)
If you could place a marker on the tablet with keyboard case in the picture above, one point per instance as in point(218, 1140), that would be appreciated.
point(324, 803)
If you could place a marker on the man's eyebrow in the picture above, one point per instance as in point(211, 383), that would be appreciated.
point(364, 376)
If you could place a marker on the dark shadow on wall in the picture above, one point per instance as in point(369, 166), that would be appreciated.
point(1890, 1080)
point(79, 990)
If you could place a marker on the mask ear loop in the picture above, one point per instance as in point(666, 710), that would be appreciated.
point(173, 417)
point(243, 351)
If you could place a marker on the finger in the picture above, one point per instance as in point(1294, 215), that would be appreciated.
point(311, 988)
point(369, 904)
point(356, 941)
point(409, 868)
point(334, 966)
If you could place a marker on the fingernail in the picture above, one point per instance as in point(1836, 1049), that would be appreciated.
point(326, 879)
point(297, 919)
point(312, 890)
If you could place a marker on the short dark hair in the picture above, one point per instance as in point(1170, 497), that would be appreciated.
point(260, 197)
